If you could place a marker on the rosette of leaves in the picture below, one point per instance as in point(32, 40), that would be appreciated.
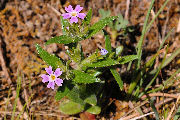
point(82, 83)
point(119, 23)
point(118, 26)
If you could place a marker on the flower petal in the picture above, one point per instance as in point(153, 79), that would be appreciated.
point(69, 8)
point(45, 78)
point(49, 70)
point(81, 15)
point(103, 51)
point(73, 19)
point(66, 15)
point(51, 85)
point(78, 8)
point(59, 81)
point(57, 72)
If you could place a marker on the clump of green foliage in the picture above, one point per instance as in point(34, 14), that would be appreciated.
point(82, 83)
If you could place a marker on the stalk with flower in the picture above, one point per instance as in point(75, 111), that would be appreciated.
point(79, 82)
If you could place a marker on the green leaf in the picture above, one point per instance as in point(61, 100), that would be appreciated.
point(93, 72)
point(107, 42)
point(103, 13)
point(74, 95)
point(94, 110)
point(117, 77)
point(126, 59)
point(82, 77)
point(50, 59)
point(120, 23)
point(91, 99)
point(113, 70)
point(152, 104)
point(61, 93)
point(87, 19)
point(140, 42)
point(63, 90)
point(103, 63)
point(99, 26)
point(177, 115)
point(75, 54)
point(64, 24)
point(63, 39)
point(70, 108)
point(92, 58)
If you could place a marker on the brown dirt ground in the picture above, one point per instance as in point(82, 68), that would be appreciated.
point(23, 23)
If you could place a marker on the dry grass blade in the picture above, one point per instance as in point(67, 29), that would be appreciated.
point(136, 118)
point(173, 109)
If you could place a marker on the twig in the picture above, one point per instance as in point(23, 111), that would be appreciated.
point(35, 113)
point(161, 94)
point(127, 9)
point(53, 9)
point(5, 101)
point(145, 110)
point(170, 114)
point(178, 26)
point(3, 65)
point(129, 117)
point(158, 104)
point(142, 116)
point(166, 22)
point(143, 103)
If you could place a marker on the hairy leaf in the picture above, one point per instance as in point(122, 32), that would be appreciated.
point(107, 42)
point(51, 60)
point(64, 24)
point(70, 108)
point(74, 95)
point(92, 58)
point(87, 19)
point(103, 63)
point(94, 110)
point(99, 26)
point(120, 23)
point(126, 59)
point(82, 77)
point(103, 13)
point(63, 90)
point(91, 99)
point(61, 93)
point(117, 77)
point(63, 39)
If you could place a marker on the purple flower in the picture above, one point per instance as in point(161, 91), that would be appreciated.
point(52, 77)
point(73, 14)
point(103, 51)
point(67, 28)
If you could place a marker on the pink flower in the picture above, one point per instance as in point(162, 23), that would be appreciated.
point(73, 14)
point(52, 78)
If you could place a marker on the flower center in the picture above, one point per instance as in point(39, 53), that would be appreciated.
point(53, 77)
point(74, 14)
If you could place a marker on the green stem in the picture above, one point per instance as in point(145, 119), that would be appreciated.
point(139, 45)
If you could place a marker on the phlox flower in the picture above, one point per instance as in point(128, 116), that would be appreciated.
point(103, 51)
point(52, 77)
point(73, 14)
